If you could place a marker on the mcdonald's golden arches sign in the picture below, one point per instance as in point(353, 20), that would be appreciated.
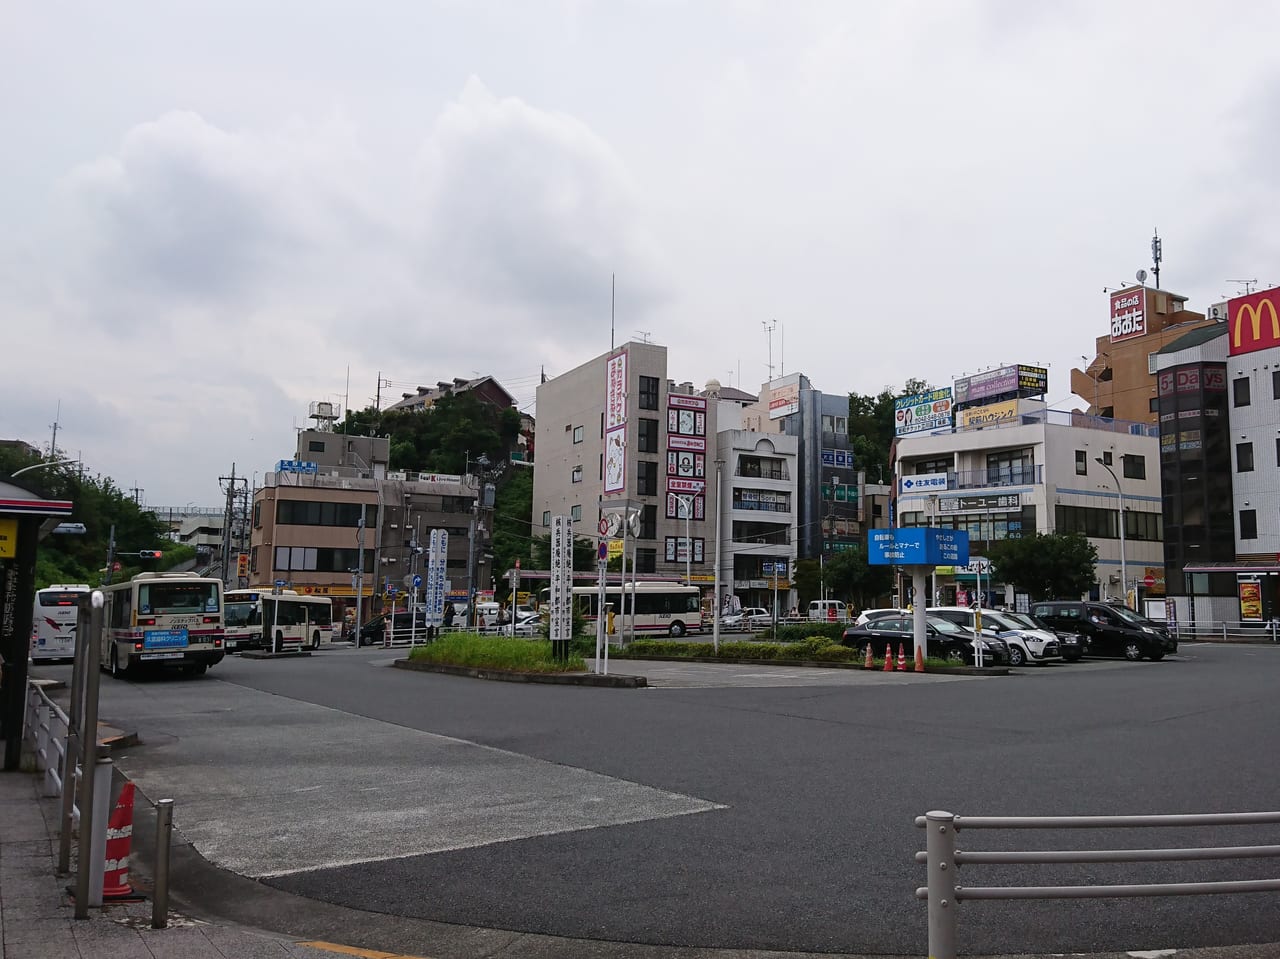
point(1254, 323)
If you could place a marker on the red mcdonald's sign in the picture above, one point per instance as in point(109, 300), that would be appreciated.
point(1254, 322)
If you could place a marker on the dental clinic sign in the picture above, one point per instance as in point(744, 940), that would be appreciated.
point(1128, 314)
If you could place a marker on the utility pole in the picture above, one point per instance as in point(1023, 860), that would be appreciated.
point(137, 491)
point(111, 555)
point(234, 523)
point(53, 443)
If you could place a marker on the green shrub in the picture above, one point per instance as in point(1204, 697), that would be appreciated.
point(818, 648)
point(795, 632)
point(495, 652)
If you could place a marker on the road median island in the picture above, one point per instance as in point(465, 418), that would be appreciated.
point(935, 667)
point(516, 676)
point(510, 660)
point(814, 652)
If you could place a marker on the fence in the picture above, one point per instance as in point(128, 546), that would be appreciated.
point(943, 861)
point(1228, 631)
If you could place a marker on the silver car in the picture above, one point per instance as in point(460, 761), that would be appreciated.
point(1028, 643)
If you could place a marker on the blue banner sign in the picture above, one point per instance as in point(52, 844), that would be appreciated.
point(297, 466)
point(918, 546)
point(164, 639)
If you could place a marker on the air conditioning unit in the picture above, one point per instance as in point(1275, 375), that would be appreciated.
point(1113, 578)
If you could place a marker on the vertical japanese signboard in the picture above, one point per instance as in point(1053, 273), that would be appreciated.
point(561, 578)
point(437, 561)
point(615, 425)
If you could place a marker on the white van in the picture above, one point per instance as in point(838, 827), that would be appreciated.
point(828, 611)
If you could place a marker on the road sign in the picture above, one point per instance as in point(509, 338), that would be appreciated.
point(918, 546)
point(280, 584)
point(604, 526)
point(391, 590)
point(1148, 581)
point(417, 580)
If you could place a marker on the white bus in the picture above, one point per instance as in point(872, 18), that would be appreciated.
point(255, 617)
point(661, 609)
point(53, 621)
point(162, 619)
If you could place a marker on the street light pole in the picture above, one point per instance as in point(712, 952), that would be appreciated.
point(686, 503)
point(715, 615)
point(1124, 578)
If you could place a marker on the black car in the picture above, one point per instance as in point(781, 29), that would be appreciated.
point(946, 640)
point(374, 632)
point(1107, 630)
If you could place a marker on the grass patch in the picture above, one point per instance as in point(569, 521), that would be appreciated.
point(495, 652)
point(811, 649)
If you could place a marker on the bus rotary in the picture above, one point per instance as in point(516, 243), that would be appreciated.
point(162, 619)
point(53, 622)
point(258, 619)
point(661, 609)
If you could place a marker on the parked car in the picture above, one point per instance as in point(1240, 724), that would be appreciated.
point(828, 611)
point(867, 615)
point(373, 632)
point(1028, 642)
point(945, 639)
point(1108, 630)
point(751, 617)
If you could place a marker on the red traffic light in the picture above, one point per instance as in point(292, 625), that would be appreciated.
point(149, 554)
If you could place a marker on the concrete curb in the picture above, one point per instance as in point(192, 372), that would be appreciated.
point(510, 676)
point(813, 664)
point(261, 654)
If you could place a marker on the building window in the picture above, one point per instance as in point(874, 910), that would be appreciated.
point(1244, 457)
point(1153, 404)
point(1151, 363)
point(546, 517)
point(575, 514)
point(1106, 457)
point(647, 441)
point(1240, 390)
point(257, 509)
point(1135, 466)
point(576, 475)
point(304, 513)
point(649, 523)
point(1248, 524)
point(646, 478)
point(1010, 467)
point(1278, 451)
point(648, 393)
point(1082, 463)
point(941, 465)
point(315, 446)
point(646, 560)
point(577, 434)
point(1275, 385)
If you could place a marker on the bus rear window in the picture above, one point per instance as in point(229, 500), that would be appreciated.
point(53, 597)
point(177, 597)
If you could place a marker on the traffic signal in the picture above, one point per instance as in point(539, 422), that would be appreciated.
point(149, 554)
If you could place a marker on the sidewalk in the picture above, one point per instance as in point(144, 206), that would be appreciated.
point(37, 913)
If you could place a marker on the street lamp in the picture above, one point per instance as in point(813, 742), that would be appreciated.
point(1124, 579)
point(686, 503)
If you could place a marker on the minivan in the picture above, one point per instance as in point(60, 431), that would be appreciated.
point(828, 611)
point(1028, 642)
point(1108, 630)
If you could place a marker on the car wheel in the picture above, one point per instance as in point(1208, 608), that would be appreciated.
point(1072, 658)
point(956, 655)
point(195, 669)
point(677, 629)
point(117, 672)
point(1132, 651)
point(1016, 656)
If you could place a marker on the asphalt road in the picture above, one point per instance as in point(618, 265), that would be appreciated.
point(744, 807)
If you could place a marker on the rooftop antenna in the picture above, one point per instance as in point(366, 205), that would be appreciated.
point(782, 351)
point(1249, 287)
point(613, 300)
point(644, 335)
point(53, 443)
point(768, 329)
point(1157, 254)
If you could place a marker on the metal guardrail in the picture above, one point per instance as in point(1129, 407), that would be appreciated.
point(1229, 630)
point(943, 861)
point(50, 738)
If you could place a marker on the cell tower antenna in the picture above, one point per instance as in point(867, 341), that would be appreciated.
point(768, 329)
point(1157, 254)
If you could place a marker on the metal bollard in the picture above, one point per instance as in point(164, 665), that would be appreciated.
point(940, 845)
point(164, 832)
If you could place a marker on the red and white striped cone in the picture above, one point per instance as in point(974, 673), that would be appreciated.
point(888, 658)
point(115, 875)
point(919, 660)
point(868, 664)
point(902, 658)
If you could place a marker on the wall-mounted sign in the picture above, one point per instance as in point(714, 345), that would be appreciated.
point(784, 396)
point(1006, 503)
point(976, 417)
point(1128, 314)
point(297, 466)
point(923, 482)
point(1255, 324)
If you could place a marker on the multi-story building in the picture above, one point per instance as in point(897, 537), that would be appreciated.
point(1003, 474)
point(1119, 382)
point(1220, 455)
point(616, 433)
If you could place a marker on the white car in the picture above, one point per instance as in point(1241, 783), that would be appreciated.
point(867, 615)
point(752, 617)
point(1028, 642)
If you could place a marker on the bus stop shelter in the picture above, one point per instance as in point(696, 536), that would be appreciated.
point(24, 515)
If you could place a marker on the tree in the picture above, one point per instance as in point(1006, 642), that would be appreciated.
point(441, 437)
point(1046, 565)
point(872, 429)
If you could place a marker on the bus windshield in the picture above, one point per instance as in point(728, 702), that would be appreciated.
point(241, 613)
point(177, 597)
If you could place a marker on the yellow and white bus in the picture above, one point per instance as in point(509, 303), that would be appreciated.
point(255, 618)
point(162, 619)
point(661, 609)
point(53, 621)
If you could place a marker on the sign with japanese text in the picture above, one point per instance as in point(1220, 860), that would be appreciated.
point(976, 417)
point(918, 546)
point(923, 482)
point(1005, 503)
point(784, 396)
point(922, 412)
point(1128, 314)
point(561, 578)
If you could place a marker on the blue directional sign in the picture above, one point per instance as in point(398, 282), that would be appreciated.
point(280, 584)
point(417, 580)
point(919, 546)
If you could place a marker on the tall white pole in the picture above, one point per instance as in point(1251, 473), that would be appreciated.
point(715, 616)
point(359, 575)
point(1124, 573)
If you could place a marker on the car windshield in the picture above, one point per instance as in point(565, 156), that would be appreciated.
point(1130, 617)
point(1020, 621)
point(945, 626)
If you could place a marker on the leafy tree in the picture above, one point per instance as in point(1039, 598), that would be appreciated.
point(98, 504)
point(1046, 565)
point(440, 437)
point(871, 427)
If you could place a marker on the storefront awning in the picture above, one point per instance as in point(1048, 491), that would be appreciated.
point(1259, 567)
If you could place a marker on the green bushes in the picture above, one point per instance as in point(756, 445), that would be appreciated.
point(495, 652)
point(796, 632)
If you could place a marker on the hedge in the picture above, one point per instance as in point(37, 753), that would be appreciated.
point(813, 648)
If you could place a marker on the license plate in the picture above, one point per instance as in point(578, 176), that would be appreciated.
point(162, 655)
point(164, 638)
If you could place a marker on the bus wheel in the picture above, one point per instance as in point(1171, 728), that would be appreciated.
point(116, 671)
point(677, 629)
point(315, 639)
point(195, 669)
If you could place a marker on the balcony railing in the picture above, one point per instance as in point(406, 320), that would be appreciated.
point(997, 476)
point(762, 472)
point(757, 505)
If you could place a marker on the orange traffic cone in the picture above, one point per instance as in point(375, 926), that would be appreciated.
point(902, 658)
point(919, 660)
point(868, 664)
point(888, 658)
point(115, 875)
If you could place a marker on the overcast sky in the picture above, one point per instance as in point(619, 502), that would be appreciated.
point(213, 210)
